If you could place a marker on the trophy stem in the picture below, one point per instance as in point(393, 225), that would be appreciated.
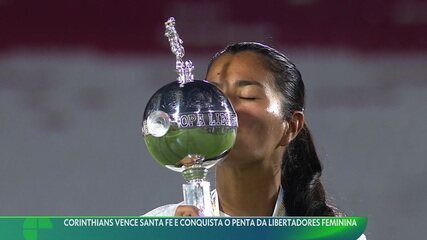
point(198, 194)
point(197, 191)
point(195, 173)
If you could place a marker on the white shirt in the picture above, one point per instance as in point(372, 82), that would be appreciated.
point(169, 210)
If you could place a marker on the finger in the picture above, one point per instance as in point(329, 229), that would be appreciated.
point(187, 211)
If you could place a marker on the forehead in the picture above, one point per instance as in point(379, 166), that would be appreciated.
point(245, 65)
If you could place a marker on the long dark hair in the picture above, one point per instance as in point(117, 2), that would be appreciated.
point(301, 167)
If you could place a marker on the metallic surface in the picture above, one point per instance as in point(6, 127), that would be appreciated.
point(194, 119)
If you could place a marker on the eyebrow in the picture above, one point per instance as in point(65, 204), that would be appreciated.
point(242, 83)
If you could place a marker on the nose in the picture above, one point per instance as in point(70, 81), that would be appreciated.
point(232, 97)
point(228, 94)
point(234, 100)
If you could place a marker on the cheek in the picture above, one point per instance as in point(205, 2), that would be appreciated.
point(249, 117)
point(275, 109)
point(249, 114)
point(258, 135)
point(260, 123)
point(274, 105)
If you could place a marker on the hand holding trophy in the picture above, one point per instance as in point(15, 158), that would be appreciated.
point(188, 126)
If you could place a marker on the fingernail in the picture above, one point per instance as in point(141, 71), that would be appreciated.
point(201, 214)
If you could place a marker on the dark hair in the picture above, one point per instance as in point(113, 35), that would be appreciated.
point(301, 167)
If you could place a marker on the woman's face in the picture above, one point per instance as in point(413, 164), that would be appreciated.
point(249, 85)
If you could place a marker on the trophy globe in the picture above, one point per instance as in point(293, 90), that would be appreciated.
point(188, 126)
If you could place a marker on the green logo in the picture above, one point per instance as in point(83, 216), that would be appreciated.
point(32, 225)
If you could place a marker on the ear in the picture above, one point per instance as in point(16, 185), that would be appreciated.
point(293, 127)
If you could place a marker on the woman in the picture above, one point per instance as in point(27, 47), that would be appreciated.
point(273, 168)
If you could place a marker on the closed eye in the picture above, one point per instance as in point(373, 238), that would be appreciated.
point(248, 98)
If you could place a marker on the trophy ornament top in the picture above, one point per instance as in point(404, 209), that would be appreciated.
point(184, 69)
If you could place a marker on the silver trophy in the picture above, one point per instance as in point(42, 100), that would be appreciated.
point(188, 126)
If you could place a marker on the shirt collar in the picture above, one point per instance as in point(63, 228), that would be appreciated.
point(279, 208)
